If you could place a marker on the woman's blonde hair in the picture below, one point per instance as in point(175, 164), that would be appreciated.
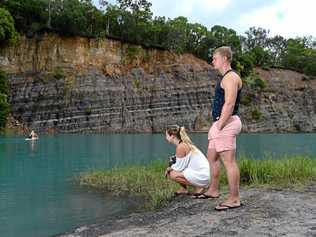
point(181, 134)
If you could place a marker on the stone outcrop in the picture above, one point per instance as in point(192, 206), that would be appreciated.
point(74, 84)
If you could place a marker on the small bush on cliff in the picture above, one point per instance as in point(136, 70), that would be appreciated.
point(59, 73)
point(255, 82)
point(256, 114)
point(247, 99)
point(131, 53)
point(137, 84)
point(260, 83)
point(4, 105)
point(244, 64)
point(3, 83)
point(4, 112)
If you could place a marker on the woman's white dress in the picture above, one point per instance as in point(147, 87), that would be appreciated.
point(195, 168)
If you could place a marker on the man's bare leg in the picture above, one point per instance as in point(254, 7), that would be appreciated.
point(233, 175)
point(215, 166)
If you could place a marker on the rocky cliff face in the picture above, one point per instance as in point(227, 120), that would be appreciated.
point(77, 85)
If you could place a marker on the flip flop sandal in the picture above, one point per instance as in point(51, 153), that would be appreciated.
point(179, 193)
point(197, 194)
point(206, 196)
point(224, 207)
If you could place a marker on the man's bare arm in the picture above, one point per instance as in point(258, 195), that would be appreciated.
point(230, 85)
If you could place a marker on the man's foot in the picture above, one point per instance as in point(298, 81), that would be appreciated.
point(225, 206)
point(228, 204)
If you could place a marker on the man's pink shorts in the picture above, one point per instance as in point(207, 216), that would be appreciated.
point(225, 139)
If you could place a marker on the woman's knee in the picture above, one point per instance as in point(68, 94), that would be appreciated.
point(175, 176)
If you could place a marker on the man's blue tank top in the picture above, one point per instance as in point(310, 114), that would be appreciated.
point(219, 99)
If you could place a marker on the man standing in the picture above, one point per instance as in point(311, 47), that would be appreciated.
point(226, 126)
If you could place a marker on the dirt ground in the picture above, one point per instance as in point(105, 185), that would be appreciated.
point(266, 212)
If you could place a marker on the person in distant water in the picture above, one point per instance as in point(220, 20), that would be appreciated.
point(33, 135)
point(191, 166)
point(226, 126)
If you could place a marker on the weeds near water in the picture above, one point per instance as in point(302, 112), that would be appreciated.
point(149, 181)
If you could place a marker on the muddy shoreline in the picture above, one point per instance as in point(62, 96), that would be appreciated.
point(266, 212)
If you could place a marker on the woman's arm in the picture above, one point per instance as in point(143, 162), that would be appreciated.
point(182, 150)
point(182, 162)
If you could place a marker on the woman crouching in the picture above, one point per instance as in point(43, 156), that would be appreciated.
point(191, 166)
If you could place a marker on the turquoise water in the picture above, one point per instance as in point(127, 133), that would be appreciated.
point(40, 197)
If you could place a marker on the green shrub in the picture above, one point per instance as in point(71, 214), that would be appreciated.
point(260, 83)
point(4, 112)
point(59, 73)
point(137, 84)
point(246, 99)
point(3, 83)
point(254, 82)
point(256, 114)
point(4, 105)
point(244, 64)
point(8, 34)
point(131, 53)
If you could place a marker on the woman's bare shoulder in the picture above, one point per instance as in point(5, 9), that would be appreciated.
point(182, 150)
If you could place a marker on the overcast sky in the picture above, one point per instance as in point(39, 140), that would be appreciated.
point(288, 18)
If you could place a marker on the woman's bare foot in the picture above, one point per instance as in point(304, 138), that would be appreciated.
point(181, 191)
point(198, 192)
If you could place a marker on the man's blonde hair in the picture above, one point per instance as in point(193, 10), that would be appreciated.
point(225, 51)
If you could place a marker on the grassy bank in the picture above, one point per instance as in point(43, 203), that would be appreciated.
point(149, 182)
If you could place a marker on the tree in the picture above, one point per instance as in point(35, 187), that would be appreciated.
point(298, 57)
point(196, 34)
point(256, 37)
point(74, 17)
point(224, 36)
point(29, 15)
point(130, 20)
point(258, 43)
point(276, 46)
point(136, 6)
point(205, 48)
point(178, 34)
point(8, 33)
point(159, 31)
point(261, 57)
point(293, 55)
point(244, 63)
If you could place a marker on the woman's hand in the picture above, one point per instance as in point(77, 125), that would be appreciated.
point(167, 172)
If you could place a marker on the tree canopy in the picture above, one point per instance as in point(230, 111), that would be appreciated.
point(133, 21)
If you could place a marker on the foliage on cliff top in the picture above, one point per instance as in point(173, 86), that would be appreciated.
point(133, 22)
